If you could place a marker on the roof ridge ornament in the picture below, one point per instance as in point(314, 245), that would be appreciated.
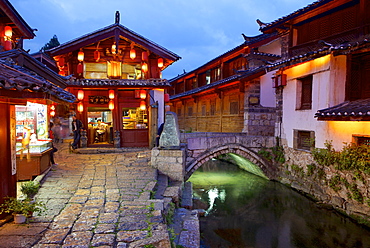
point(117, 17)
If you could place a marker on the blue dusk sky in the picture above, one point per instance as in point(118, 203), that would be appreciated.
point(196, 30)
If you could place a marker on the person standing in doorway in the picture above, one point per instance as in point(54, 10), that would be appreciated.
point(76, 128)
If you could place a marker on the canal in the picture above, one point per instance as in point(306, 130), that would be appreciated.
point(244, 210)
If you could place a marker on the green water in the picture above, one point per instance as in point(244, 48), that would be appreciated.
point(244, 210)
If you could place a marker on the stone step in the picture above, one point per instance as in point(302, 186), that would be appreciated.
point(187, 196)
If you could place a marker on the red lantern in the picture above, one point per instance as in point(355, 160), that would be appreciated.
point(80, 68)
point(143, 94)
point(160, 62)
point(166, 97)
point(80, 107)
point(52, 113)
point(52, 107)
point(111, 94)
point(80, 56)
point(142, 105)
point(8, 45)
point(111, 104)
point(144, 56)
point(80, 95)
point(144, 67)
point(132, 54)
point(96, 55)
point(8, 32)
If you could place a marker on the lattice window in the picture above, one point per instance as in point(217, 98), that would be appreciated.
point(234, 108)
point(190, 111)
point(213, 108)
point(303, 140)
point(204, 110)
point(361, 140)
point(306, 93)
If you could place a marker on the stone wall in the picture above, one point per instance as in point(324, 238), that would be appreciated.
point(169, 162)
point(301, 172)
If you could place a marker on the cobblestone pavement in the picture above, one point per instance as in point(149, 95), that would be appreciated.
point(94, 200)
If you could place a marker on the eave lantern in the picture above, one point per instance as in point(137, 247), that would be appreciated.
point(80, 107)
point(111, 104)
point(166, 97)
point(142, 105)
point(144, 67)
point(8, 31)
point(132, 53)
point(111, 94)
point(80, 56)
point(97, 55)
point(80, 95)
point(144, 56)
point(52, 110)
point(160, 62)
point(142, 94)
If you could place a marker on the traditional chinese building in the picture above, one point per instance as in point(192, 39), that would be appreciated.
point(28, 94)
point(116, 75)
point(230, 93)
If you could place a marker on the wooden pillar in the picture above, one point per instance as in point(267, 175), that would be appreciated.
point(153, 125)
point(8, 182)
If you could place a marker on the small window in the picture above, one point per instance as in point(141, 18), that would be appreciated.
point(304, 140)
point(179, 111)
point(190, 111)
point(305, 95)
point(213, 108)
point(361, 140)
point(234, 108)
point(204, 110)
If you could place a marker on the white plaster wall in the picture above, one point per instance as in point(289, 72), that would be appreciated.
point(158, 96)
point(329, 76)
point(268, 98)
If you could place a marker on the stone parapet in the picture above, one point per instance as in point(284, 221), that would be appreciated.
point(169, 162)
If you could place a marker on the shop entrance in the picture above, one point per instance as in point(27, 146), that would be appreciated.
point(100, 126)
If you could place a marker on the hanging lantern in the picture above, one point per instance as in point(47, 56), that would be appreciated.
point(143, 94)
point(80, 107)
point(111, 94)
point(8, 32)
point(144, 67)
point(142, 105)
point(52, 113)
point(132, 54)
point(96, 55)
point(160, 62)
point(52, 107)
point(80, 95)
point(114, 48)
point(111, 104)
point(144, 56)
point(80, 68)
point(8, 45)
point(80, 56)
point(166, 97)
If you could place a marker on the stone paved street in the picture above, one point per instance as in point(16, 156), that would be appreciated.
point(94, 200)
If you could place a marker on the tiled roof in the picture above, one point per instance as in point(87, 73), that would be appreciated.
point(218, 83)
point(250, 41)
point(14, 77)
point(119, 82)
point(327, 49)
point(349, 110)
point(296, 13)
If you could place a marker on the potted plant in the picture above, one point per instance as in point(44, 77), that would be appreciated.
point(30, 189)
point(21, 209)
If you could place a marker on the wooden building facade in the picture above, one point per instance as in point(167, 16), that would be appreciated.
point(25, 83)
point(116, 75)
point(224, 95)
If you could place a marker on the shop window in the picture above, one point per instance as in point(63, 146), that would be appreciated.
point(234, 108)
point(304, 93)
point(95, 70)
point(303, 140)
point(134, 118)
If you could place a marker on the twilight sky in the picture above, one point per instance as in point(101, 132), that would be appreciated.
point(196, 30)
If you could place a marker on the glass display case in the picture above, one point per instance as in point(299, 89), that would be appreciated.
point(38, 146)
point(134, 118)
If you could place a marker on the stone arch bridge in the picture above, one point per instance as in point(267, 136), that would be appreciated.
point(201, 147)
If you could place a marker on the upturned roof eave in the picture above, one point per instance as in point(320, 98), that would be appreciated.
point(107, 32)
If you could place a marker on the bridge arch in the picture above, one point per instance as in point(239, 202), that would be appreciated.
point(233, 148)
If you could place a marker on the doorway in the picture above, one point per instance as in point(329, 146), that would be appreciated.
point(100, 126)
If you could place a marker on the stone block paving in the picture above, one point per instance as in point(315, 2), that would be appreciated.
point(94, 200)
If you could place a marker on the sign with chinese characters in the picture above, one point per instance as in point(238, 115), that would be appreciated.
point(98, 100)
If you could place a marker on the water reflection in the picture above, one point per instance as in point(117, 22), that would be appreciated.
point(248, 211)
